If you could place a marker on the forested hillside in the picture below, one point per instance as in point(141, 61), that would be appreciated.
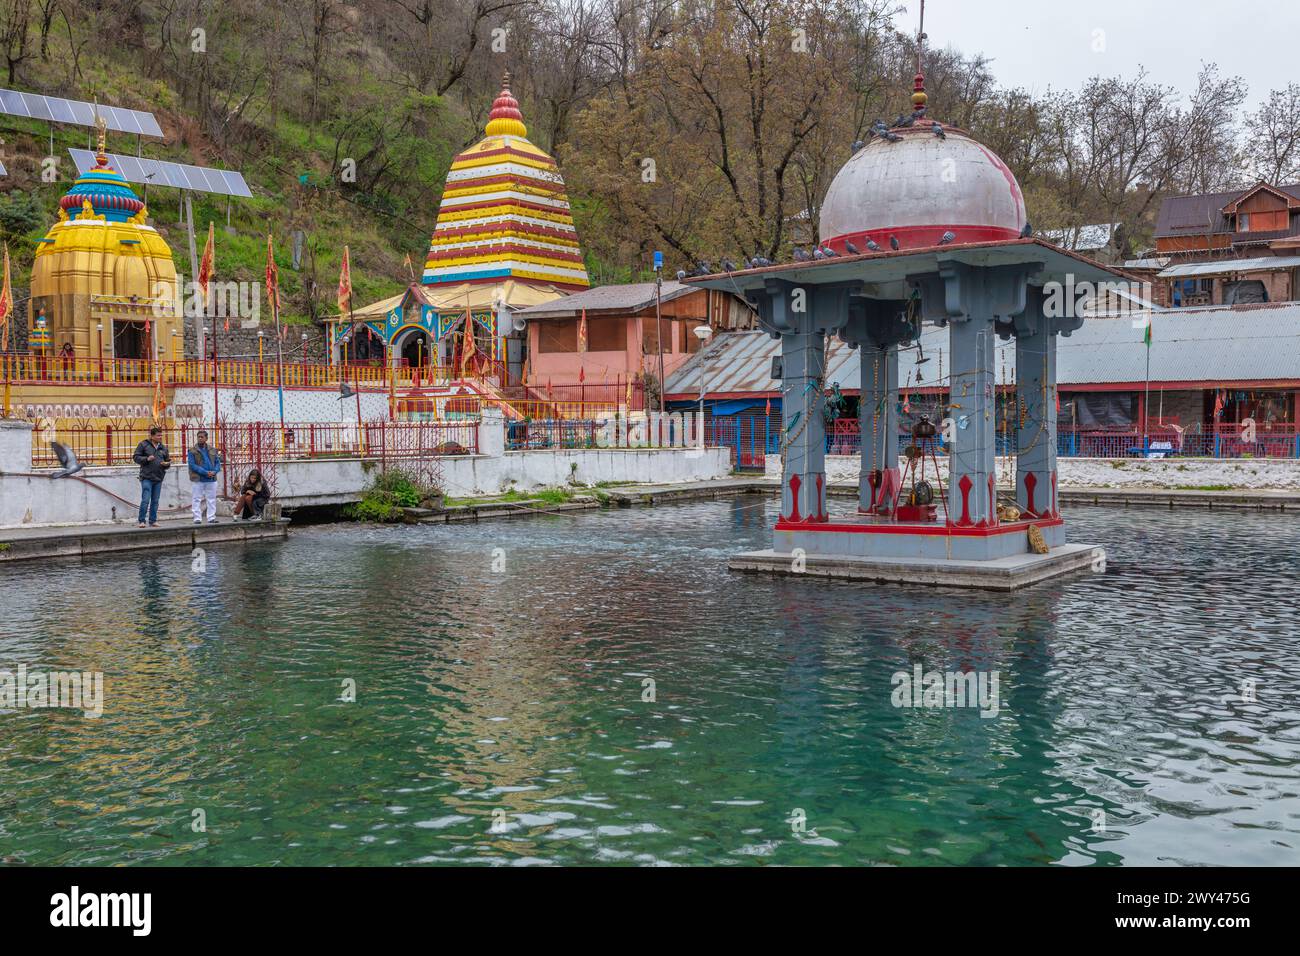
point(705, 128)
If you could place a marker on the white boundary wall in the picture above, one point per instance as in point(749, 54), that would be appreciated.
point(1167, 473)
point(28, 497)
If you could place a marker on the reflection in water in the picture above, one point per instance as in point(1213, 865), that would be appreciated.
point(1122, 735)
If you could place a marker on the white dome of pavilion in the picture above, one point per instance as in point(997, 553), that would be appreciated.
point(918, 188)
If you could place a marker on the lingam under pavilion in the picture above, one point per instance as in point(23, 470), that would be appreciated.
point(924, 225)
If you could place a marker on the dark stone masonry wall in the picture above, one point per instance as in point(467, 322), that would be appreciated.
point(240, 343)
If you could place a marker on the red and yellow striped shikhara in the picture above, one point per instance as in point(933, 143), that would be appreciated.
point(504, 212)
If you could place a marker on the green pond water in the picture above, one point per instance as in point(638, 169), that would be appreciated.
point(499, 716)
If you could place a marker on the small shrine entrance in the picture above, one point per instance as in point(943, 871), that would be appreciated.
point(415, 348)
point(130, 340)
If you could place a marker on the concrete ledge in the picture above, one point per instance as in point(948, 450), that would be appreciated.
point(1001, 574)
point(505, 509)
point(29, 544)
point(1258, 499)
point(630, 495)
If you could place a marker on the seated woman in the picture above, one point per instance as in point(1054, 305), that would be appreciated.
point(253, 496)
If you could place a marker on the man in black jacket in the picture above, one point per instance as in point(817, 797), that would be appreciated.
point(152, 457)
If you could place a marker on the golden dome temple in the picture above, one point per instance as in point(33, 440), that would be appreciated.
point(103, 278)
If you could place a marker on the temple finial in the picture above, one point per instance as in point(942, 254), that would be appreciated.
point(504, 119)
point(101, 152)
point(918, 82)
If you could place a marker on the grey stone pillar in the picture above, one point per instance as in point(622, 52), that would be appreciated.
point(802, 316)
point(973, 463)
point(1036, 481)
point(977, 298)
point(803, 432)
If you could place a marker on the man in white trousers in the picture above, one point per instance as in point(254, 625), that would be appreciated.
point(204, 464)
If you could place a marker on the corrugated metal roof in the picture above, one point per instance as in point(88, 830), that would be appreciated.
point(1208, 344)
point(1226, 266)
point(1203, 213)
point(631, 297)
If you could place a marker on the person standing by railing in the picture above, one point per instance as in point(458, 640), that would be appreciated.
point(204, 464)
point(154, 460)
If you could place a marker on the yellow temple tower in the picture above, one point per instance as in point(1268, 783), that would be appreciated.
point(504, 241)
point(104, 284)
point(103, 279)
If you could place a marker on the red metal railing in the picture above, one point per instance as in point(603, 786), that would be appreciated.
point(1221, 440)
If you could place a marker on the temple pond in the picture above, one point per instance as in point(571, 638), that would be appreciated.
point(499, 715)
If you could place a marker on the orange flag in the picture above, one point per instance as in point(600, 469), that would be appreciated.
point(469, 348)
point(582, 332)
point(6, 305)
point(207, 266)
point(345, 284)
point(159, 405)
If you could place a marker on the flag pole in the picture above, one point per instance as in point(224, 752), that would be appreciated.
point(279, 347)
point(1146, 398)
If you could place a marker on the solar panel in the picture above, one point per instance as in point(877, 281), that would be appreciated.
point(62, 111)
point(54, 109)
point(235, 183)
point(82, 113)
point(37, 107)
point(159, 172)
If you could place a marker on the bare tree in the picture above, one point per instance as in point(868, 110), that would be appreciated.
point(1273, 137)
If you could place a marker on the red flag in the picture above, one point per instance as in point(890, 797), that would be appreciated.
point(767, 412)
point(1058, 401)
point(582, 374)
point(345, 285)
point(272, 280)
point(207, 265)
point(468, 349)
point(1218, 404)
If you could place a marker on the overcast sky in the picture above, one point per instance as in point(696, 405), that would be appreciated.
point(1040, 43)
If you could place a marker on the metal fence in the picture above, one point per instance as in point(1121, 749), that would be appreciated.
point(605, 431)
point(115, 443)
point(751, 439)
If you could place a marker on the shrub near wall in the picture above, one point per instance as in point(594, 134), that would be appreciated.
point(388, 493)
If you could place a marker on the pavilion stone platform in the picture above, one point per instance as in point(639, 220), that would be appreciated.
point(878, 302)
point(998, 574)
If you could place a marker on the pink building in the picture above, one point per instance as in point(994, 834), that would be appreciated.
point(622, 332)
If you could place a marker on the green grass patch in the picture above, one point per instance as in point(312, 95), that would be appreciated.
point(387, 494)
point(548, 496)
